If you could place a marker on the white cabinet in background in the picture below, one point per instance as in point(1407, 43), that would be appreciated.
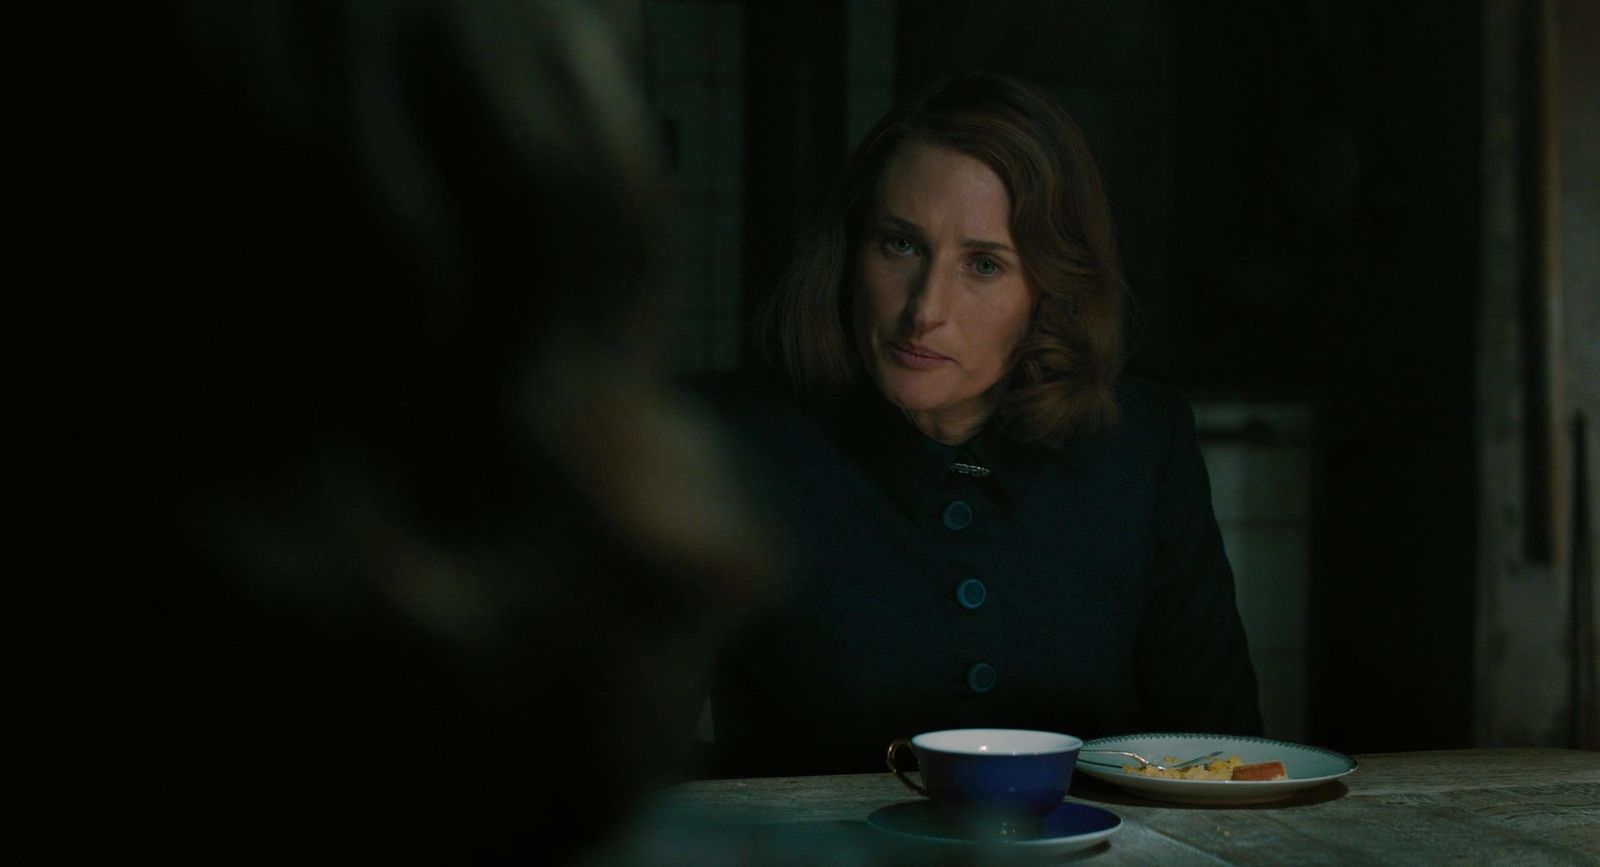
point(1259, 460)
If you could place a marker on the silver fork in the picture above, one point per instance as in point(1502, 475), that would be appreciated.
point(1144, 762)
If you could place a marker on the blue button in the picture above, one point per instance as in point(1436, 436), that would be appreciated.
point(971, 593)
point(957, 515)
point(981, 677)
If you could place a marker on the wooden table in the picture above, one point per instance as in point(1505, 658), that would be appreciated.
point(1502, 806)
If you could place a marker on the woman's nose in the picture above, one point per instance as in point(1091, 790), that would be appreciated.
point(927, 299)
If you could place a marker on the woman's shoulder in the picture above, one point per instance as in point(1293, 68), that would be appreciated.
point(1152, 417)
point(1155, 424)
point(1145, 401)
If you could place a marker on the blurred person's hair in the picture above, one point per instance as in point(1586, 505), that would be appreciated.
point(430, 543)
point(1061, 222)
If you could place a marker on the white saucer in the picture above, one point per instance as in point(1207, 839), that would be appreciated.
point(1067, 828)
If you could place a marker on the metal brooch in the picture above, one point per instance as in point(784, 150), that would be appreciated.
point(972, 470)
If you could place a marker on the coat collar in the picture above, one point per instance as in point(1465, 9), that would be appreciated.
point(911, 466)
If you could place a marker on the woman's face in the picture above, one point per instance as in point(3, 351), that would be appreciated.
point(941, 302)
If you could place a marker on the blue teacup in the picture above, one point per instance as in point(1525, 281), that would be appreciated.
point(1003, 771)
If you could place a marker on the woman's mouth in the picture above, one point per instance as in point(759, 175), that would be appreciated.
point(914, 356)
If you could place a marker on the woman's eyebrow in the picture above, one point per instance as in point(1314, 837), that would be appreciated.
point(900, 224)
point(975, 244)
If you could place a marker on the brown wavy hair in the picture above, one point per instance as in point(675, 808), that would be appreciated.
point(1067, 364)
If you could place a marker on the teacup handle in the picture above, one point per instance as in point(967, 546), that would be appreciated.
point(895, 745)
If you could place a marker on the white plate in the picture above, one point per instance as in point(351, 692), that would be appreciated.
point(1306, 767)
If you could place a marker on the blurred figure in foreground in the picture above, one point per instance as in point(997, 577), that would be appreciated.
point(406, 552)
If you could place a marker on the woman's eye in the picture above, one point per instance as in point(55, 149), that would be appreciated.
point(899, 245)
point(984, 266)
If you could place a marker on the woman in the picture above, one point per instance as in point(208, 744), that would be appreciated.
point(991, 526)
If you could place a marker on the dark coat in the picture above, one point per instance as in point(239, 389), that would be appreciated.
point(1081, 590)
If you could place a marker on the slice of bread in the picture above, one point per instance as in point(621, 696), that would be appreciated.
point(1261, 771)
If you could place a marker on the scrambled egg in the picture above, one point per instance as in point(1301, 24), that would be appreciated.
point(1217, 769)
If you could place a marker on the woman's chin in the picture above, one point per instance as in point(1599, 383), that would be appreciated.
point(921, 402)
point(910, 399)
